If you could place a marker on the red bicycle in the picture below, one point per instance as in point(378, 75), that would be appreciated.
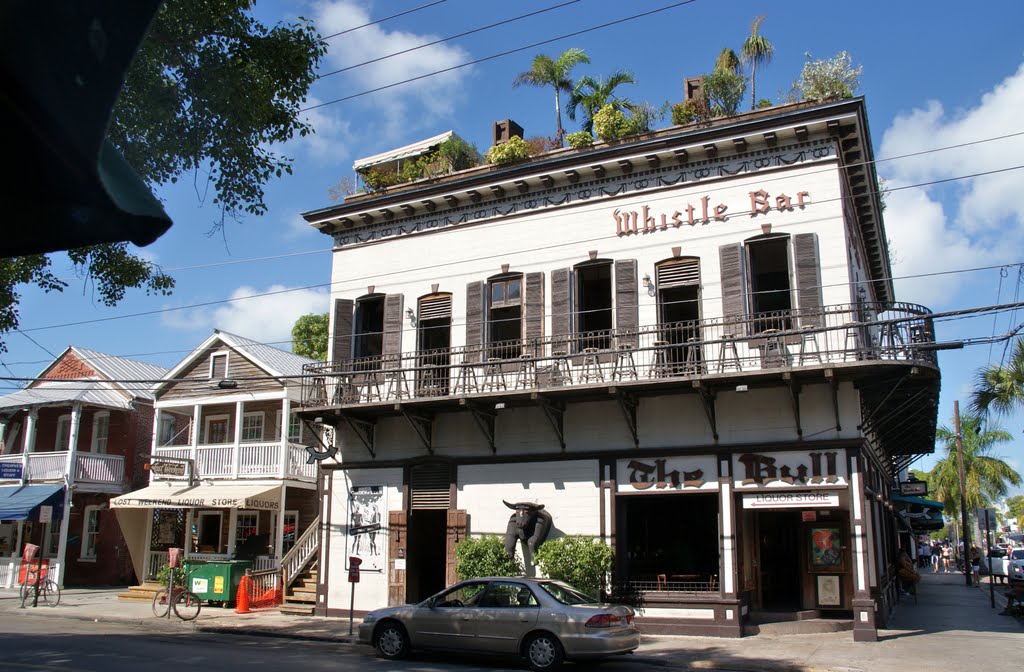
point(184, 602)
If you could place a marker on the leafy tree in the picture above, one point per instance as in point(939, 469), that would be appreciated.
point(829, 78)
point(553, 73)
point(513, 150)
point(1016, 506)
point(210, 90)
point(590, 95)
point(723, 90)
point(610, 124)
point(484, 556)
point(728, 60)
point(986, 477)
point(579, 561)
point(1000, 388)
point(756, 50)
point(309, 336)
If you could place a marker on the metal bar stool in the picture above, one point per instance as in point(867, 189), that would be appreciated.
point(694, 360)
point(774, 353)
point(891, 339)
point(560, 372)
point(371, 386)
point(625, 365)
point(526, 374)
point(659, 363)
point(494, 378)
point(809, 344)
point(851, 342)
point(727, 353)
point(397, 384)
point(591, 367)
point(466, 381)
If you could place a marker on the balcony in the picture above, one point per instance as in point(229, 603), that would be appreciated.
point(272, 459)
point(90, 468)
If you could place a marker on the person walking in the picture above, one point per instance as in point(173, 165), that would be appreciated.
point(936, 557)
point(947, 557)
point(976, 565)
point(924, 552)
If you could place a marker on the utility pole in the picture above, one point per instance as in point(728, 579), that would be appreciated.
point(966, 532)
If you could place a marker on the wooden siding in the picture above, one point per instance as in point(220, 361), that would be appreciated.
point(196, 379)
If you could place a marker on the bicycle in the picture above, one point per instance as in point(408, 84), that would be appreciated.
point(184, 602)
point(42, 589)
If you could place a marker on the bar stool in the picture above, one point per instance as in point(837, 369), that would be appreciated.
point(891, 338)
point(371, 387)
point(591, 367)
point(317, 391)
point(397, 385)
point(526, 374)
point(560, 372)
point(344, 390)
point(493, 377)
point(466, 380)
point(809, 344)
point(659, 363)
point(851, 342)
point(774, 352)
point(694, 361)
point(727, 351)
point(625, 365)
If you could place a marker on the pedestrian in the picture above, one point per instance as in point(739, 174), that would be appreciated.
point(947, 557)
point(976, 564)
point(924, 553)
point(936, 557)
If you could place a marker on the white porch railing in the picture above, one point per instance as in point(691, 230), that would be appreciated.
point(215, 461)
point(301, 553)
point(255, 460)
point(90, 468)
point(10, 566)
point(93, 468)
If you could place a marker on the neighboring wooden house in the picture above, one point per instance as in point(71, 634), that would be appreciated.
point(73, 439)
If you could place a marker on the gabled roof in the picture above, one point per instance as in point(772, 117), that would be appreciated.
point(88, 391)
point(119, 368)
point(274, 361)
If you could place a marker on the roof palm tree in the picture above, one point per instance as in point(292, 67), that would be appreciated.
point(1000, 388)
point(728, 60)
point(757, 50)
point(986, 477)
point(590, 95)
point(553, 73)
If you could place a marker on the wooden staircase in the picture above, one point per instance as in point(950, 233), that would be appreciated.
point(300, 598)
point(141, 593)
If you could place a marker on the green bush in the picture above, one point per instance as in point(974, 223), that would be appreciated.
point(457, 153)
point(376, 180)
point(511, 151)
point(484, 556)
point(580, 140)
point(164, 573)
point(579, 561)
point(609, 123)
point(830, 78)
point(724, 91)
point(763, 103)
point(695, 109)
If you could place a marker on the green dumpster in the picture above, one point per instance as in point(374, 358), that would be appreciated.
point(216, 580)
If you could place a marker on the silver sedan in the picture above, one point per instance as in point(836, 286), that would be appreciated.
point(542, 620)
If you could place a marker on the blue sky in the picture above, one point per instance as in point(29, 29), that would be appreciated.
point(947, 75)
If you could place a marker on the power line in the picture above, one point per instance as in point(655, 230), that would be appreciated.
point(386, 18)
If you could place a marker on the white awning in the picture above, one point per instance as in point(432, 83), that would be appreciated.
point(178, 496)
point(414, 150)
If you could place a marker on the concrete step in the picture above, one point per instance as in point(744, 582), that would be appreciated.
point(304, 598)
point(814, 626)
point(296, 609)
point(143, 593)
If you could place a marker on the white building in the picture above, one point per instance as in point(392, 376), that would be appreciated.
point(684, 344)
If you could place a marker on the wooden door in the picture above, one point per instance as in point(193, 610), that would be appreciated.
point(458, 525)
point(397, 540)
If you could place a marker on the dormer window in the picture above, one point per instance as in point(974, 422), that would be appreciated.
point(219, 366)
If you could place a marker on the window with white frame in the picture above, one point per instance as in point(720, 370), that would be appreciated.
point(245, 526)
point(167, 425)
point(63, 432)
point(90, 532)
point(100, 431)
point(219, 366)
point(295, 429)
point(505, 316)
point(52, 539)
point(252, 426)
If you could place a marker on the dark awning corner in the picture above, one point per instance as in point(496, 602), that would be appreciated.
point(22, 502)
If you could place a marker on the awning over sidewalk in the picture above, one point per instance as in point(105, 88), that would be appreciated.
point(920, 514)
point(22, 502)
point(178, 496)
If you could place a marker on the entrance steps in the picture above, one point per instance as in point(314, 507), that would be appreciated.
point(809, 622)
point(141, 593)
point(300, 598)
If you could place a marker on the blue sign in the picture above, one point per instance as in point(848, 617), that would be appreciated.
point(10, 470)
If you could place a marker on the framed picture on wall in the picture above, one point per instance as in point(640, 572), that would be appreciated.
point(829, 593)
point(826, 548)
point(367, 514)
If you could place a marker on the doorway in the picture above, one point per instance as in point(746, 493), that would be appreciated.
point(678, 283)
point(779, 560)
point(426, 553)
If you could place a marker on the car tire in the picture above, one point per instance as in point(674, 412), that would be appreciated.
point(544, 652)
point(391, 641)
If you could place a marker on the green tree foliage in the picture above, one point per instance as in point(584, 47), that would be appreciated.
point(830, 78)
point(756, 50)
point(511, 151)
point(484, 556)
point(1000, 388)
point(723, 89)
point(695, 109)
point(580, 139)
point(728, 60)
point(987, 478)
point(590, 95)
point(309, 336)
point(582, 562)
point(1016, 506)
point(610, 123)
point(555, 73)
point(210, 90)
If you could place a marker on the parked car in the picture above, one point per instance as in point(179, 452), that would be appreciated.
point(1015, 571)
point(541, 620)
point(997, 563)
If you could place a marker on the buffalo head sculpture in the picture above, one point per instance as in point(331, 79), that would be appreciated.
point(529, 523)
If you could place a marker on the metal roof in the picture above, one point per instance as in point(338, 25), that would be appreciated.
point(88, 391)
point(119, 368)
point(415, 149)
point(274, 360)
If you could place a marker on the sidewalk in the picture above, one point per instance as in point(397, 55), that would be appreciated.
point(951, 626)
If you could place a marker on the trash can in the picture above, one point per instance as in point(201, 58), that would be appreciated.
point(216, 580)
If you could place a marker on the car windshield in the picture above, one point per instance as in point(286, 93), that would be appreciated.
point(1018, 554)
point(565, 593)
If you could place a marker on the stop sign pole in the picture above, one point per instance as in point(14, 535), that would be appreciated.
point(353, 578)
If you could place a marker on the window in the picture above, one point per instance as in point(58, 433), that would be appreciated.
point(51, 541)
point(505, 317)
point(219, 366)
point(100, 431)
point(594, 304)
point(291, 528)
point(90, 532)
point(770, 294)
point(252, 426)
point(207, 528)
point(294, 429)
point(63, 433)
point(166, 431)
point(368, 333)
point(245, 526)
point(217, 429)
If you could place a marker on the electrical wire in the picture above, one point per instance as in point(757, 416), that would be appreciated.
point(386, 18)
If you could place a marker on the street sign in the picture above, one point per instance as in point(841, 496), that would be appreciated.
point(165, 468)
point(45, 514)
point(353, 569)
point(913, 488)
point(10, 470)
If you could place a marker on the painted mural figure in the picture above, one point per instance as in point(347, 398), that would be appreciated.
point(530, 523)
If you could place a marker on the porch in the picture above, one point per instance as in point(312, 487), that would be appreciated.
point(90, 469)
point(271, 459)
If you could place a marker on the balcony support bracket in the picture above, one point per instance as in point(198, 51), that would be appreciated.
point(707, 400)
point(794, 398)
point(484, 419)
point(422, 425)
point(628, 404)
point(363, 430)
point(555, 413)
point(834, 387)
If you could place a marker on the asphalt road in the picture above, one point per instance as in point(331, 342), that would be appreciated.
point(31, 642)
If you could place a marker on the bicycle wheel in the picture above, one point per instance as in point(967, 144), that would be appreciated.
point(49, 593)
point(23, 592)
point(186, 605)
point(160, 604)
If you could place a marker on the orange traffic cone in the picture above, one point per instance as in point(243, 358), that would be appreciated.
point(242, 598)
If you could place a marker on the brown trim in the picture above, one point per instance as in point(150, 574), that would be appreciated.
point(325, 487)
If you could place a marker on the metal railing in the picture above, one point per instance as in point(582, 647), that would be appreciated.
point(698, 348)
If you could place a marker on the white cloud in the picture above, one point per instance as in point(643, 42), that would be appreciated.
point(264, 315)
point(961, 223)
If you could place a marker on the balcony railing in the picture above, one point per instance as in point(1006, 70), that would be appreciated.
point(254, 460)
point(833, 335)
point(90, 468)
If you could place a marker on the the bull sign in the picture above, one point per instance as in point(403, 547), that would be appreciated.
point(529, 523)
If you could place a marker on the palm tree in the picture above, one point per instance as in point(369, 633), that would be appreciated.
point(728, 60)
point(554, 73)
point(1000, 388)
point(757, 50)
point(986, 477)
point(590, 95)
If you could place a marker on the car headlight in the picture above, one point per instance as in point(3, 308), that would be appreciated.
point(370, 618)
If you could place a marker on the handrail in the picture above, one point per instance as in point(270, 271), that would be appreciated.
point(304, 550)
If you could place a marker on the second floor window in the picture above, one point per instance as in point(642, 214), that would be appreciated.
point(252, 426)
point(368, 330)
point(100, 431)
point(63, 433)
point(594, 304)
point(505, 317)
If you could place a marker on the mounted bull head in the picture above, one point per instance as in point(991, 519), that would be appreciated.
point(529, 523)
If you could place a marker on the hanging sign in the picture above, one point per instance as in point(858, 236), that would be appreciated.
point(10, 470)
point(913, 488)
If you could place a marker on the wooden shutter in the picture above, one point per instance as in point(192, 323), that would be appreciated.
point(474, 321)
point(458, 527)
point(435, 307)
point(808, 279)
point(398, 540)
point(341, 336)
point(561, 307)
point(733, 288)
point(678, 273)
point(430, 486)
point(392, 346)
point(627, 318)
point(533, 309)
